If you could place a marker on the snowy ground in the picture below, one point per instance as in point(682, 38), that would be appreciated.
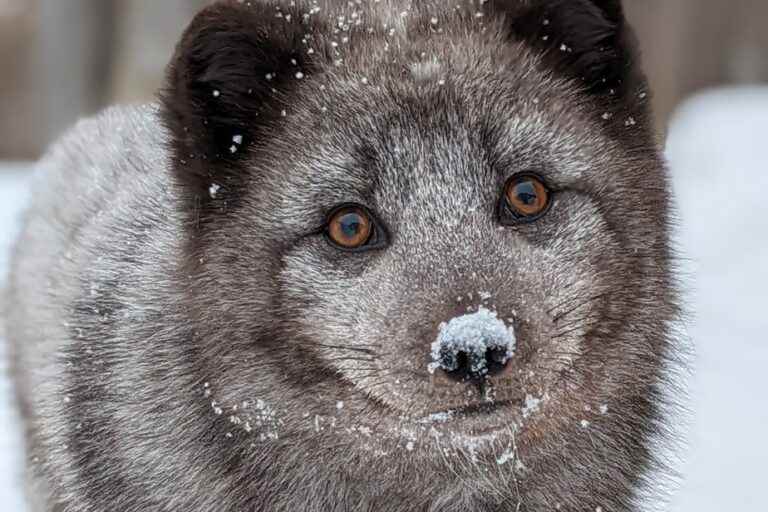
point(717, 153)
point(13, 195)
point(718, 159)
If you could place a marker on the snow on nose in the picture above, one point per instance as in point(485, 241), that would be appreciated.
point(473, 346)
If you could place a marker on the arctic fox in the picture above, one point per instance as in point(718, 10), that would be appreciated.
point(360, 256)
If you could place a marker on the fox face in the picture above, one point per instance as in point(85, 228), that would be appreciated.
point(420, 261)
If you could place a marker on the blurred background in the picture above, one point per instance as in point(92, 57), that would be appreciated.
point(707, 61)
point(65, 58)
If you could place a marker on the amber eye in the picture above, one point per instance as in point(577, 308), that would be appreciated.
point(350, 227)
point(527, 197)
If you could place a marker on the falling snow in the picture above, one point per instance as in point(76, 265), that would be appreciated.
point(531, 405)
point(506, 456)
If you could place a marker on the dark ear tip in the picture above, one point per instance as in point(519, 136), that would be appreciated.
point(613, 10)
point(587, 40)
point(219, 9)
point(220, 15)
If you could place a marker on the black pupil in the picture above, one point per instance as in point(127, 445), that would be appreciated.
point(526, 193)
point(351, 225)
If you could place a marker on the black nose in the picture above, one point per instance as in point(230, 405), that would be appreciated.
point(473, 365)
point(473, 347)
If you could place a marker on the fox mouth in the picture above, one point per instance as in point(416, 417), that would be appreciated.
point(478, 410)
point(481, 408)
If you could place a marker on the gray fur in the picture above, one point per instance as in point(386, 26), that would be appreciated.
point(242, 363)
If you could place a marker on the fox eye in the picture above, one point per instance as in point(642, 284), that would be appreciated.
point(351, 227)
point(526, 198)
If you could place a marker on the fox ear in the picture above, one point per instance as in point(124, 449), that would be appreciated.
point(587, 40)
point(233, 67)
point(612, 9)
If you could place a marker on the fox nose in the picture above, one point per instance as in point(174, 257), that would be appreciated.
point(473, 365)
point(473, 347)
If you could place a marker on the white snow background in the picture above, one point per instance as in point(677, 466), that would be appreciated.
point(717, 151)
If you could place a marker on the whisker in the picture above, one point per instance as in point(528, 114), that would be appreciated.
point(585, 302)
point(361, 348)
point(350, 358)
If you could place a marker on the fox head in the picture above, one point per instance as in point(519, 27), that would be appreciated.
point(432, 238)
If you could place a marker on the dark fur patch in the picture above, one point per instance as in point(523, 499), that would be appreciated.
point(587, 40)
point(234, 68)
